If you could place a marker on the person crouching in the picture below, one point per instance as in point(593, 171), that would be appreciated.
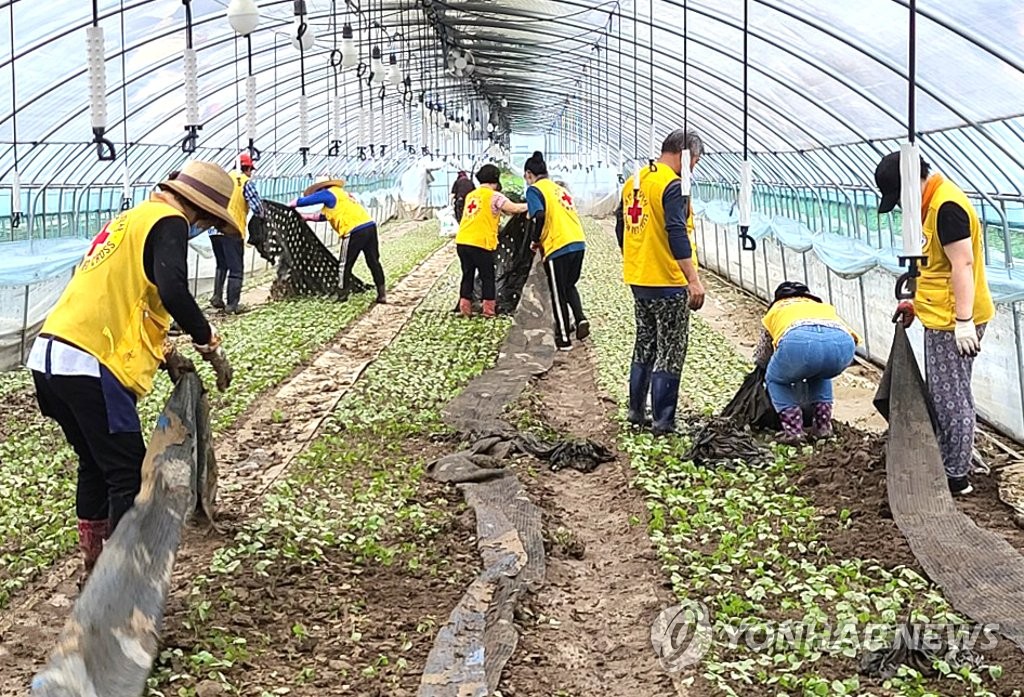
point(804, 340)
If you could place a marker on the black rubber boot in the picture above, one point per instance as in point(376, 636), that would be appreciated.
point(217, 299)
point(235, 307)
point(382, 296)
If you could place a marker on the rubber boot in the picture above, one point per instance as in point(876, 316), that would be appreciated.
point(217, 299)
point(664, 398)
point(234, 307)
point(382, 297)
point(821, 426)
point(490, 308)
point(91, 534)
point(466, 307)
point(792, 420)
point(639, 389)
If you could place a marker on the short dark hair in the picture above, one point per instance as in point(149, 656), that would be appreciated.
point(488, 174)
point(536, 165)
point(679, 140)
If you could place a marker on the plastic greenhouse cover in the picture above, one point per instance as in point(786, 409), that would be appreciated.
point(845, 256)
point(30, 261)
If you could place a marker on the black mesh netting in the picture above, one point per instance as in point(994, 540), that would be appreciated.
point(752, 407)
point(305, 265)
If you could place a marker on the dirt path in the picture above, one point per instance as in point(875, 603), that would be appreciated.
point(251, 455)
point(587, 632)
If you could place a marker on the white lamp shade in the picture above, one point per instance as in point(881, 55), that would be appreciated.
point(308, 39)
point(349, 53)
point(244, 16)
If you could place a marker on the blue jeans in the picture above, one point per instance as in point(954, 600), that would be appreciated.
point(811, 354)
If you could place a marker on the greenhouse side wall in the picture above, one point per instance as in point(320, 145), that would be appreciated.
point(867, 302)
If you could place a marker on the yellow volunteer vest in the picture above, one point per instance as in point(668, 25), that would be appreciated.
point(347, 213)
point(479, 224)
point(934, 303)
point(646, 256)
point(110, 309)
point(238, 207)
point(785, 313)
point(561, 221)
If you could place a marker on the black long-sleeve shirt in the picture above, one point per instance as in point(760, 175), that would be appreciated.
point(165, 262)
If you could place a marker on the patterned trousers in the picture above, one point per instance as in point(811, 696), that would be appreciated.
point(949, 385)
point(662, 333)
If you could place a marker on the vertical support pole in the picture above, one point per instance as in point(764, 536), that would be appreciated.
point(24, 325)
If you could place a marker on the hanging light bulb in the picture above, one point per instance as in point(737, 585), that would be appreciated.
point(349, 50)
point(490, 128)
point(244, 16)
point(394, 71)
point(303, 38)
point(504, 103)
point(376, 67)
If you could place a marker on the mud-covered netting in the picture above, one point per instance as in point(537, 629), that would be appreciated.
point(719, 442)
point(110, 642)
point(752, 407)
point(920, 647)
point(977, 569)
point(471, 649)
point(305, 265)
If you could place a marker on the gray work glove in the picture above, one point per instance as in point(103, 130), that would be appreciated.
point(214, 354)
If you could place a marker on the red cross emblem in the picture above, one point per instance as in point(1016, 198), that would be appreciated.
point(567, 199)
point(635, 212)
point(99, 240)
point(471, 207)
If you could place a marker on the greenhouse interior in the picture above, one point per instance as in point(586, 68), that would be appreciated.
point(525, 348)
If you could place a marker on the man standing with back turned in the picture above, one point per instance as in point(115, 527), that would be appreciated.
point(659, 267)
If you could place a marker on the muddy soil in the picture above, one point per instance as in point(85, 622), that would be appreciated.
point(848, 474)
point(251, 455)
point(587, 631)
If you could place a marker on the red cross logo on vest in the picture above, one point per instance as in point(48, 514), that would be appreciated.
point(567, 199)
point(99, 240)
point(635, 212)
point(471, 208)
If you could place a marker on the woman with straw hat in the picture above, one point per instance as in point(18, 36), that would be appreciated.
point(354, 225)
point(101, 345)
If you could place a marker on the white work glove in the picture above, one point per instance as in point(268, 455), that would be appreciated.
point(215, 356)
point(967, 341)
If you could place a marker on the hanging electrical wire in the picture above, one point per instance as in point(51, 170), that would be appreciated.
point(190, 75)
point(746, 179)
point(335, 62)
point(910, 176)
point(302, 39)
point(650, 101)
point(16, 177)
point(126, 192)
point(636, 115)
point(96, 54)
point(685, 179)
point(618, 91)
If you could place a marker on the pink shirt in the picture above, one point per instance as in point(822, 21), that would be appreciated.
point(498, 201)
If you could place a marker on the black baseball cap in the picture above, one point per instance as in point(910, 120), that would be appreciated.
point(489, 174)
point(889, 182)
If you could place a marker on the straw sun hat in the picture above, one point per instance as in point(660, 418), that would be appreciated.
point(207, 187)
point(323, 183)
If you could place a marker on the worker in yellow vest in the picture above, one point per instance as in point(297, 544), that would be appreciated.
point(229, 249)
point(953, 303)
point(804, 346)
point(477, 238)
point(354, 225)
point(658, 265)
point(101, 345)
point(558, 233)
